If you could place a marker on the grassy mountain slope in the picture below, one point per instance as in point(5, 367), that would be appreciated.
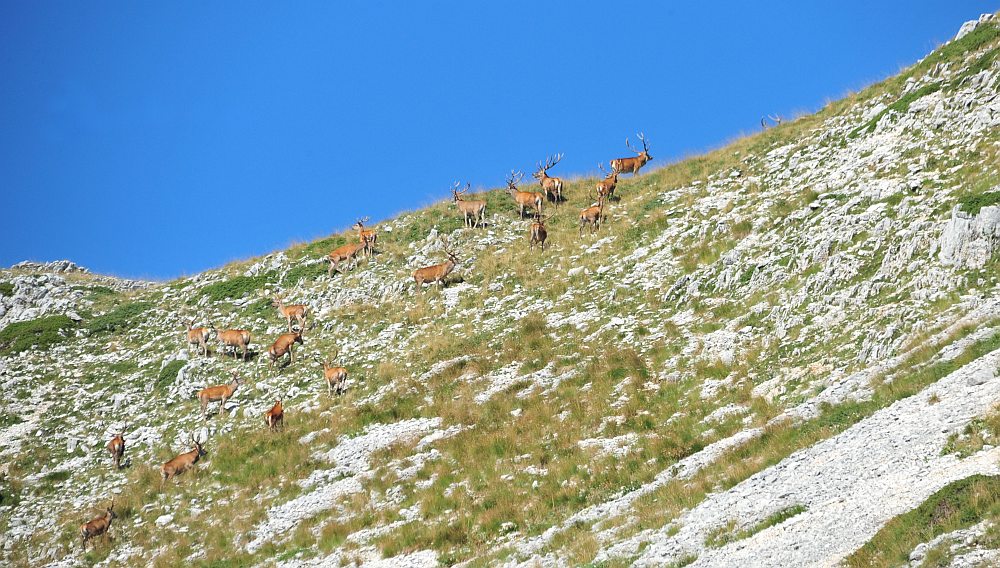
point(589, 403)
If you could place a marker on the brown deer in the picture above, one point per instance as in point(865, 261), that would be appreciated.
point(538, 234)
point(474, 211)
point(275, 417)
point(552, 186)
point(98, 525)
point(343, 253)
point(283, 346)
point(221, 393)
point(606, 186)
point(632, 165)
point(294, 311)
point(182, 462)
point(523, 199)
point(367, 237)
point(198, 336)
point(116, 447)
point(436, 273)
point(235, 338)
point(336, 377)
point(592, 216)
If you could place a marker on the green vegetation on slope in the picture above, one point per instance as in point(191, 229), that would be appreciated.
point(41, 334)
point(120, 318)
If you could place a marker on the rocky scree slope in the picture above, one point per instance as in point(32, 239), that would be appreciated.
point(766, 345)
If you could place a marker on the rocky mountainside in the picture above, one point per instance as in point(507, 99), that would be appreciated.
point(780, 353)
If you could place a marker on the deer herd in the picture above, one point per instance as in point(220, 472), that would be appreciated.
point(296, 315)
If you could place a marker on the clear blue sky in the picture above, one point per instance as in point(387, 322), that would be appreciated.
point(155, 140)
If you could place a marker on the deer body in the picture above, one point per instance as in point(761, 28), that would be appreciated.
point(538, 234)
point(275, 417)
point(524, 199)
point(592, 216)
point(336, 378)
point(220, 393)
point(116, 447)
point(631, 165)
point(552, 186)
point(182, 462)
point(367, 237)
point(295, 312)
point(436, 273)
point(98, 526)
point(198, 336)
point(606, 187)
point(235, 338)
point(342, 254)
point(474, 211)
point(283, 346)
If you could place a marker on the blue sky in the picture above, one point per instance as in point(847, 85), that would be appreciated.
point(160, 140)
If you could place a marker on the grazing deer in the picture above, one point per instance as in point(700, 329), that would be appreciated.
point(552, 186)
point(367, 237)
point(235, 338)
point(295, 311)
point(538, 233)
point(474, 211)
point(98, 526)
point(606, 186)
point(436, 273)
point(275, 417)
point(523, 199)
point(632, 165)
point(775, 119)
point(342, 254)
point(283, 346)
point(198, 336)
point(336, 377)
point(220, 393)
point(182, 462)
point(116, 447)
point(592, 215)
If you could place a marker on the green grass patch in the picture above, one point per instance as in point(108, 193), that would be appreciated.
point(122, 317)
point(307, 272)
point(40, 333)
point(168, 373)
point(237, 287)
point(727, 533)
point(981, 431)
point(6, 289)
point(973, 204)
point(955, 506)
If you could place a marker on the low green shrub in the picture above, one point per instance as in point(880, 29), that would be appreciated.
point(122, 317)
point(40, 333)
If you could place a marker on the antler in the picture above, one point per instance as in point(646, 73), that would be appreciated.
point(514, 178)
point(361, 222)
point(630, 146)
point(549, 162)
point(601, 165)
point(642, 138)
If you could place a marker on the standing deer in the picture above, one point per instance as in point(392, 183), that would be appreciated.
point(294, 311)
point(436, 273)
point(474, 211)
point(283, 346)
point(523, 199)
point(606, 186)
point(367, 237)
point(538, 234)
point(275, 417)
point(342, 254)
point(198, 336)
point(220, 393)
point(632, 165)
point(235, 338)
point(552, 186)
point(592, 215)
point(336, 377)
point(98, 526)
point(116, 447)
point(182, 462)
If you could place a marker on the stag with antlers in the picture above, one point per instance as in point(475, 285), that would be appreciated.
point(523, 199)
point(474, 211)
point(606, 187)
point(552, 186)
point(438, 272)
point(593, 215)
point(632, 165)
point(99, 525)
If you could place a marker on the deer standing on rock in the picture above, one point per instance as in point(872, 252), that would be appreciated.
point(182, 462)
point(98, 526)
point(523, 199)
point(632, 165)
point(436, 273)
point(294, 311)
point(336, 377)
point(199, 337)
point(221, 393)
point(116, 447)
point(474, 211)
point(275, 417)
point(552, 186)
point(283, 346)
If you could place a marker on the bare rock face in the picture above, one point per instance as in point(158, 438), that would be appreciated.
point(968, 241)
point(971, 25)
